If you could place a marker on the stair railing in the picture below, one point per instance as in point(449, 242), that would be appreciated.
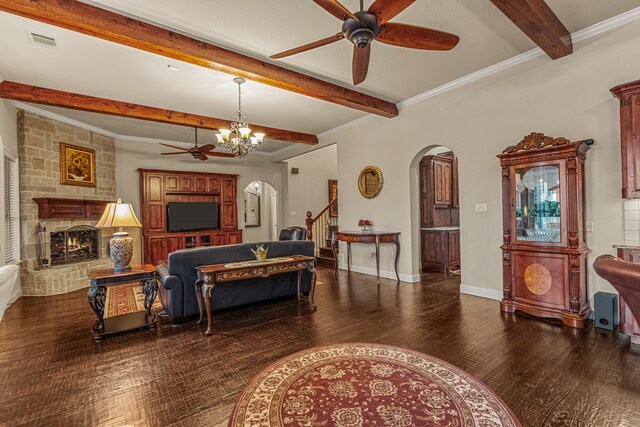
point(320, 227)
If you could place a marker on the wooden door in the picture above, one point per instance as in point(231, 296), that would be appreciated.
point(156, 250)
point(171, 183)
point(220, 239)
point(153, 202)
point(629, 96)
point(235, 237)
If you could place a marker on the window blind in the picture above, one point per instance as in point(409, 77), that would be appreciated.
point(12, 211)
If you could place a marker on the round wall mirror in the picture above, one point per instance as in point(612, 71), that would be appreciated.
point(370, 182)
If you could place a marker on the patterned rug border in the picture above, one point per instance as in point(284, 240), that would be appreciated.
point(271, 367)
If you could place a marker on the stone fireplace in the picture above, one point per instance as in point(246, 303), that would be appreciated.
point(79, 243)
point(58, 254)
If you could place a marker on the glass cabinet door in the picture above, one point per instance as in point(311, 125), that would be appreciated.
point(537, 203)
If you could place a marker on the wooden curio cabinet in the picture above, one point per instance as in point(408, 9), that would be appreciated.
point(544, 254)
point(629, 96)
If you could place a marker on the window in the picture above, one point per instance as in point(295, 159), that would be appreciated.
point(11, 211)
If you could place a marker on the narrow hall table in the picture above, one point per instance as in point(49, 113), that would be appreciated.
point(375, 237)
point(210, 275)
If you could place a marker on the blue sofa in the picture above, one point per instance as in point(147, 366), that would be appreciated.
point(178, 278)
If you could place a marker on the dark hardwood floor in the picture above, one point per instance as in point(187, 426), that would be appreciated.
point(52, 373)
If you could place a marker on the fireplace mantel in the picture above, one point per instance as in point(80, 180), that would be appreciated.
point(51, 208)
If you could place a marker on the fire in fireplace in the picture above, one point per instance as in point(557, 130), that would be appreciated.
point(80, 243)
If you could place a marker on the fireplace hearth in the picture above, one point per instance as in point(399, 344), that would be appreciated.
point(80, 243)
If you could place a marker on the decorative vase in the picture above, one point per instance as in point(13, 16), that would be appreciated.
point(260, 253)
point(364, 229)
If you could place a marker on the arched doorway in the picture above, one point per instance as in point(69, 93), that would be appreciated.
point(260, 210)
point(435, 210)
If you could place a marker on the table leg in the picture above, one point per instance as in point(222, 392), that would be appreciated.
point(334, 248)
point(378, 259)
point(199, 299)
point(299, 280)
point(150, 291)
point(312, 268)
point(206, 290)
point(348, 257)
point(97, 296)
point(397, 242)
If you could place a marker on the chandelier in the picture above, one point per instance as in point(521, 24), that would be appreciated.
point(239, 140)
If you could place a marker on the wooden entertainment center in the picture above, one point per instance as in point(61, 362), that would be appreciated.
point(159, 187)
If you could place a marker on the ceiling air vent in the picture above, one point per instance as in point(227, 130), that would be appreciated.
point(40, 39)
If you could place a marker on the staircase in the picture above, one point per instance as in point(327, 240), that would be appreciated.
point(320, 229)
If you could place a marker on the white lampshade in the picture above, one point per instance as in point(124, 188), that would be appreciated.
point(220, 138)
point(225, 133)
point(259, 135)
point(118, 215)
point(244, 132)
point(254, 140)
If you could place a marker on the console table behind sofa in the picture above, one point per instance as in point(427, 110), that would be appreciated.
point(178, 293)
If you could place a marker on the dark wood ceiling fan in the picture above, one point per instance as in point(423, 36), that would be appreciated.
point(199, 153)
point(363, 27)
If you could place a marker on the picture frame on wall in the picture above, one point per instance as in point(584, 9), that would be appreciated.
point(77, 165)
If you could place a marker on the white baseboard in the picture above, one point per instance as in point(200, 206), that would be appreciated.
point(409, 278)
point(480, 292)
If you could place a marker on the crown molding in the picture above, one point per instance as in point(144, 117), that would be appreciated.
point(584, 34)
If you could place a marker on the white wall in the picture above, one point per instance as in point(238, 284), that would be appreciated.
point(309, 190)
point(134, 155)
point(263, 233)
point(9, 139)
point(567, 97)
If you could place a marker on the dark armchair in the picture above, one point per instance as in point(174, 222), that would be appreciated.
point(293, 233)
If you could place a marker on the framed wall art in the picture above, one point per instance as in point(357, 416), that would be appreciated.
point(77, 165)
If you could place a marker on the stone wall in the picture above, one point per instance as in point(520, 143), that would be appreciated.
point(39, 141)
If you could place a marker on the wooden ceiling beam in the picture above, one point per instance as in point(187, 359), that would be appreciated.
point(93, 21)
point(58, 98)
point(536, 19)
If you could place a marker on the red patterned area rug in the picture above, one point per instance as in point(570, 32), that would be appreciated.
point(127, 298)
point(367, 385)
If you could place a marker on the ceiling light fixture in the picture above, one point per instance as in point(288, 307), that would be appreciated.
point(173, 68)
point(239, 140)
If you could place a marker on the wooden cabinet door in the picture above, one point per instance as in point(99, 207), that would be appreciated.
point(442, 182)
point(629, 97)
point(433, 249)
point(174, 243)
point(454, 249)
point(171, 183)
point(228, 216)
point(201, 184)
point(187, 183)
point(214, 185)
point(229, 190)
point(156, 250)
point(235, 238)
point(154, 208)
point(220, 239)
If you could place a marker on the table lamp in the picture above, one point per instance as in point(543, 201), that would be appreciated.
point(121, 245)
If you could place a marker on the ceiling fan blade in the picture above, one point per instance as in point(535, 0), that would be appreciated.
point(206, 148)
point(309, 46)
point(360, 65)
point(202, 157)
point(388, 9)
point(175, 152)
point(336, 9)
point(175, 146)
point(411, 36)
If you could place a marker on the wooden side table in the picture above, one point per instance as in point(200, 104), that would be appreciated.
point(102, 279)
point(375, 237)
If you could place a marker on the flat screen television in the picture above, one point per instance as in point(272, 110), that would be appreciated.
point(192, 216)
